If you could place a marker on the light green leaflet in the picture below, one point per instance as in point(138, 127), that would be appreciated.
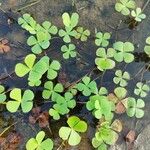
point(26, 101)
point(103, 59)
point(71, 133)
point(124, 6)
point(2, 94)
point(135, 108)
point(39, 143)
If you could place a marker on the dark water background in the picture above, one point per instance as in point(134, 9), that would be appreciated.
point(94, 15)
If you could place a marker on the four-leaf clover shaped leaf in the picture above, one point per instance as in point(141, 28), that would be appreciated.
point(68, 51)
point(138, 15)
point(134, 108)
point(124, 51)
point(124, 6)
point(147, 47)
point(103, 60)
point(40, 42)
point(141, 89)
point(26, 101)
point(39, 143)
point(71, 133)
point(2, 94)
point(102, 39)
point(87, 87)
point(82, 34)
point(51, 90)
point(121, 78)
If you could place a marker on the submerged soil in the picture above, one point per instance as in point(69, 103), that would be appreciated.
point(94, 15)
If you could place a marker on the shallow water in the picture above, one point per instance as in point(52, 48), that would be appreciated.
point(94, 15)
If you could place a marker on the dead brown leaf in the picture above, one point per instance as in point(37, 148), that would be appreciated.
point(4, 46)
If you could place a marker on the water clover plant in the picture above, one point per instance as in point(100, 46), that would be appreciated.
point(51, 90)
point(68, 51)
point(100, 106)
point(70, 133)
point(121, 78)
point(124, 6)
point(120, 92)
point(62, 106)
point(134, 108)
point(53, 69)
point(28, 23)
point(40, 42)
point(25, 100)
point(70, 22)
point(38, 143)
point(82, 34)
point(102, 39)
point(41, 33)
point(35, 70)
point(141, 89)
point(2, 94)
point(58, 110)
point(147, 47)
point(138, 15)
point(103, 60)
point(104, 136)
point(124, 51)
point(102, 91)
point(87, 86)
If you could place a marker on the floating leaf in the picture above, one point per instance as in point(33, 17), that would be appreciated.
point(71, 133)
point(68, 51)
point(39, 143)
point(2, 94)
point(102, 39)
point(103, 60)
point(124, 51)
point(124, 6)
point(4, 47)
point(26, 101)
point(138, 15)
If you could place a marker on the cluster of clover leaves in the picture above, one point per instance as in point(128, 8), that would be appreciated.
point(100, 102)
point(128, 7)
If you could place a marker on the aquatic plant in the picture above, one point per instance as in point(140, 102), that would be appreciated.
point(4, 46)
point(71, 133)
point(121, 78)
point(124, 6)
point(102, 39)
point(25, 100)
point(62, 106)
point(70, 23)
point(51, 90)
point(147, 47)
point(141, 89)
point(87, 86)
point(123, 51)
point(82, 34)
point(41, 33)
point(120, 92)
point(2, 94)
point(68, 51)
point(39, 143)
point(53, 69)
point(104, 136)
point(134, 108)
point(35, 70)
point(103, 60)
point(138, 15)
point(102, 91)
point(100, 106)
point(40, 42)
